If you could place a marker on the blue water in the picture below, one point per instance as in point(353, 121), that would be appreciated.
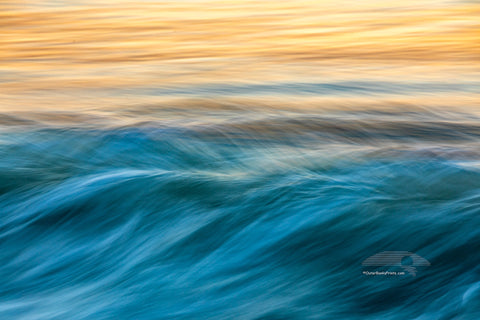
point(235, 215)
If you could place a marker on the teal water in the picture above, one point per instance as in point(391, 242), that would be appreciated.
point(232, 214)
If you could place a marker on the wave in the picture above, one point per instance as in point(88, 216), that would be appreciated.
point(263, 218)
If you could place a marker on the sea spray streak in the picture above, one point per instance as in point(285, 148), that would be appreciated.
point(237, 218)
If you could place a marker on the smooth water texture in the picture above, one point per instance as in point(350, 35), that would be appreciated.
point(239, 160)
point(240, 219)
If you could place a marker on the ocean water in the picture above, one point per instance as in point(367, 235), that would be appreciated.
point(229, 213)
point(243, 160)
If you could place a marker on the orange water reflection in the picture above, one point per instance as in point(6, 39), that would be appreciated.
point(72, 56)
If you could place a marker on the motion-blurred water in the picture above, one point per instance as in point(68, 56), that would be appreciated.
point(225, 159)
point(238, 215)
